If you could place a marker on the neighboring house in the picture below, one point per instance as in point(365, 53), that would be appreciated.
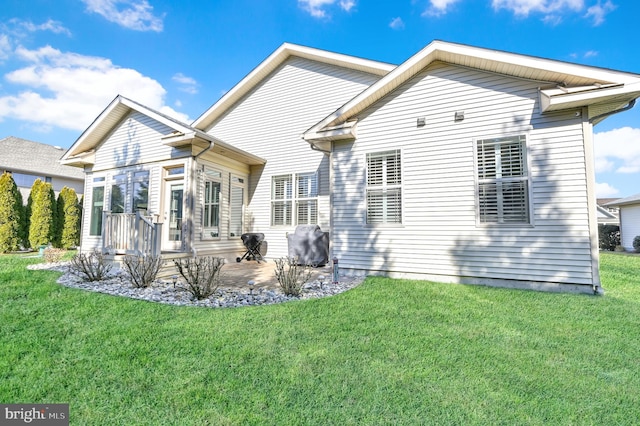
point(607, 215)
point(28, 161)
point(462, 164)
point(629, 219)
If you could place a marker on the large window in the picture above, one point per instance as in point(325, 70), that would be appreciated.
point(125, 200)
point(503, 181)
point(307, 198)
point(211, 209)
point(97, 203)
point(384, 187)
point(119, 194)
point(141, 191)
point(299, 206)
point(281, 200)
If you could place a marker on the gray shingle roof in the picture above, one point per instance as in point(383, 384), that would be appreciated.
point(633, 199)
point(21, 155)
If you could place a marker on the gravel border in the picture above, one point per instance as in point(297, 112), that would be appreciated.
point(163, 291)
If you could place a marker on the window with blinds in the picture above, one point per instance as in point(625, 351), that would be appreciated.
point(306, 198)
point(294, 204)
point(384, 187)
point(281, 200)
point(503, 181)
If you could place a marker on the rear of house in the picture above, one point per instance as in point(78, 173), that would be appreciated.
point(459, 165)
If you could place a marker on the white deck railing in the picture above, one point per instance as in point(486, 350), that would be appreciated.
point(131, 233)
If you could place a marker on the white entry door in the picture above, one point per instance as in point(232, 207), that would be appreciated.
point(173, 214)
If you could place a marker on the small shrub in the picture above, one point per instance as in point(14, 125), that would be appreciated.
point(291, 276)
point(142, 270)
point(636, 243)
point(608, 237)
point(52, 254)
point(91, 267)
point(201, 274)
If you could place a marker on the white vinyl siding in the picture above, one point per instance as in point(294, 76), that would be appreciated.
point(268, 123)
point(629, 225)
point(503, 187)
point(439, 237)
point(384, 191)
point(137, 140)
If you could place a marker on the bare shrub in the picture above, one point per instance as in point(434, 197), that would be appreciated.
point(52, 254)
point(201, 274)
point(291, 276)
point(142, 270)
point(91, 267)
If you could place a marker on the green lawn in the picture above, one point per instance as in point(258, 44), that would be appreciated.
point(387, 352)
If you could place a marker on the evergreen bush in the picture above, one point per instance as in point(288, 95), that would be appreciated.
point(636, 243)
point(43, 214)
point(608, 237)
point(69, 216)
point(11, 214)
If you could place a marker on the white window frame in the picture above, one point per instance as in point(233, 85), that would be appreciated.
point(297, 199)
point(492, 170)
point(383, 184)
point(211, 229)
point(306, 199)
point(282, 200)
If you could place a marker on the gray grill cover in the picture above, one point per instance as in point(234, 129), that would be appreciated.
point(309, 244)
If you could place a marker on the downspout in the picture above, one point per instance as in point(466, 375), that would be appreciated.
point(606, 114)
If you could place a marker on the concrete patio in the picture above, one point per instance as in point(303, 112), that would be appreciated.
point(237, 275)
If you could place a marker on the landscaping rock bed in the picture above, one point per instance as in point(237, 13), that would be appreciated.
point(163, 291)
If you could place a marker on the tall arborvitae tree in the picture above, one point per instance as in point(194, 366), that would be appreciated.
point(11, 214)
point(69, 218)
point(43, 214)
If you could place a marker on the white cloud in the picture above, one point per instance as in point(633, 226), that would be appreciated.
point(347, 5)
point(397, 23)
point(598, 11)
point(525, 7)
point(590, 54)
point(51, 25)
point(604, 190)
point(69, 90)
point(187, 84)
point(438, 7)
point(618, 150)
point(318, 8)
point(5, 47)
point(132, 14)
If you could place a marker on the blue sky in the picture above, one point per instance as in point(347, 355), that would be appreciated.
point(62, 62)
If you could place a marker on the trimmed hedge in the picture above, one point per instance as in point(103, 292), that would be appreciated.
point(11, 215)
point(42, 226)
point(69, 215)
